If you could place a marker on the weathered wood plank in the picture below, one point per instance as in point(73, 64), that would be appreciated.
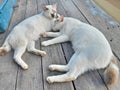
point(40, 4)
point(31, 79)
point(31, 8)
point(19, 13)
point(71, 10)
point(8, 69)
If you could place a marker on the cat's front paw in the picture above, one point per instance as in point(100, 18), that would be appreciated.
point(44, 43)
point(50, 79)
point(25, 66)
point(42, 53)
point(51, 67)
point(44, 34)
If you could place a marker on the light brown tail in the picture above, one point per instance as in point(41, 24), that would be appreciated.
point(111, 73)
point(2, 51)
point(5, 48)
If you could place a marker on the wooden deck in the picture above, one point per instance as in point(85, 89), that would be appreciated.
point(12, 77)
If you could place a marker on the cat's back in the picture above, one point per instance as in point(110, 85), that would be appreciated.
point(31, 20)
point(73, 21)
point(27, 27)
point(78, 29)
point(92, 34)
point(83, 30)
point(88, 36)
point(36, 23)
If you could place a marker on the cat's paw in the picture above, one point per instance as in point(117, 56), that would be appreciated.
point(25, 67)
point(50, 79)
point(51, 67)
point(42, 53)
point(44, 34)
point(45, 43)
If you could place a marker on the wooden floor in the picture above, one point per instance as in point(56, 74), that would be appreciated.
point(12, 77)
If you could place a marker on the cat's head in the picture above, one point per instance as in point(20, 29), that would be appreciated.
point(58, 22)
point(50, 11)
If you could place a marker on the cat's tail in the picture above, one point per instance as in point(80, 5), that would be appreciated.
point(5, 48)
point(111, 73)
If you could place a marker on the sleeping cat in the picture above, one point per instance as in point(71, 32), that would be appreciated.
point(92, 50)
point(24, 35)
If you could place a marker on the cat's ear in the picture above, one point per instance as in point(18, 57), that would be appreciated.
point(44, 7)
point(54, 6)
point(62, 18)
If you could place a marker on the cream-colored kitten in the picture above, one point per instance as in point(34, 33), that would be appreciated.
point(24, 35)
point(92, 50)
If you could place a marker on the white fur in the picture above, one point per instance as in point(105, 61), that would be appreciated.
point(115, 67)
point(92, 50)
point(27, 32)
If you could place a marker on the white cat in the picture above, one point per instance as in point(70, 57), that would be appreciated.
point(92, 50)
point(24, 35)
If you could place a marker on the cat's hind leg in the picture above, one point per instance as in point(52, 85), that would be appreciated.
point(69, 76)
point(18, 52)
point(31, 48)
point(61, 68)
point(78, 64)
point(5, 48)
